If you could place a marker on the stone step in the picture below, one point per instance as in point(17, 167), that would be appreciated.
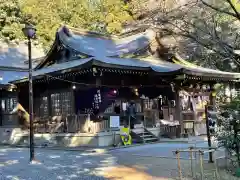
point(152, 139)
point(146, 135)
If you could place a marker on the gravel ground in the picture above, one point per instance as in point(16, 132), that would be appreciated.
point(73, 165)
point(65, 165)
point(166, 168)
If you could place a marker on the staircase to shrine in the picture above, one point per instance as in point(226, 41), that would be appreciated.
point(142, 135)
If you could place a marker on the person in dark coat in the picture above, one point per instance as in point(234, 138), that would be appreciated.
point(131, 110)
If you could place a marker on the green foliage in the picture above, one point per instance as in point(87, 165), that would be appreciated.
point(229, 135)
point(216, 35)
point(106, 16)
point(10, 20)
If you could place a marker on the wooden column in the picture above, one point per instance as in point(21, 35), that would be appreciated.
point(98, 82)
point(73, 109)
point(97, 74)
point(49, 103)
point(212, 96)
point(178, 112)
point(72, 91)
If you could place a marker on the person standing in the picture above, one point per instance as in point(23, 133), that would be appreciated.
point(131, 110)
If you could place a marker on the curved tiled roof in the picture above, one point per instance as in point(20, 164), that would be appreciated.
point(194, 69)
point(155, 65)
point(16, 55)
point(104, 51)
point(8, 76)
point(127, 63)
point(14, 61)
point(101, 46)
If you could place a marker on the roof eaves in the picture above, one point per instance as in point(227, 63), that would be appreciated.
point(48, 53)
point(99, 63)
point(5, 68)
point(48, 70)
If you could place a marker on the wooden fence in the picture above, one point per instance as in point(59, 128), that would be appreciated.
point(80, 123)
point(170, 131)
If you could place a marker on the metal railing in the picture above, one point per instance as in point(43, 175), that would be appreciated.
point(199, 169)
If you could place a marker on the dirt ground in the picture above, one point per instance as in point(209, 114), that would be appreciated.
point(142, 168)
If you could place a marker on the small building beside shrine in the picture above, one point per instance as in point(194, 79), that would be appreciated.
point(84, 85)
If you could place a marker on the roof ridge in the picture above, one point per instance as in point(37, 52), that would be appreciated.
point(81, 31)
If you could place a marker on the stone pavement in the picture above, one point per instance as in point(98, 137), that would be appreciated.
point(152, 168)
point(66, 165)
point(71, 165)
point(190, 139)
point(121, 164)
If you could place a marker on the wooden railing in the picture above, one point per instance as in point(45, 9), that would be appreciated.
point(170, 131)
point(80, 123)
point(9, 120)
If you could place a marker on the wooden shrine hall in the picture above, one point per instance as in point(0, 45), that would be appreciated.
point(86, 80)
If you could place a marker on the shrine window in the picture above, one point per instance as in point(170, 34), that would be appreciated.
point(150, 104)
point(66, 102)
point(56, 105)
point(43, 107)
point(61, 103)
point(8, 104)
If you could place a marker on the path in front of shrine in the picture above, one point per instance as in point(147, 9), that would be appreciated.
point(141, 162)
point(166, 149)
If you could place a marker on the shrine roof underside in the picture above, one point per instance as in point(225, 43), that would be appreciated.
point(144, 65)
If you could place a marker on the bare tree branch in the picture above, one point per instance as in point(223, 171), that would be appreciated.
point(198, 26)
point(236, 15)
point(234, 8)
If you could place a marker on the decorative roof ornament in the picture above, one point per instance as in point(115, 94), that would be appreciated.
point(67, 31)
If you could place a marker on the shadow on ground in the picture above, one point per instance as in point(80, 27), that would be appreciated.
point(73, 165)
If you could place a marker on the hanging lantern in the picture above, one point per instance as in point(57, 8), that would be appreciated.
point(74, 87)
point(136, 92)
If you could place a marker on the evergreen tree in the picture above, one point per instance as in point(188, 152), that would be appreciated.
point(106, 16)
point(229, 128)
point(10, 20)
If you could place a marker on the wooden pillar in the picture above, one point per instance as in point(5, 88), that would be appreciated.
point(212, 97)
point(48, 94)
point(72, 96)
point(98, 82)
point(97, 74)
point(72, 90)
point(178, 112)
